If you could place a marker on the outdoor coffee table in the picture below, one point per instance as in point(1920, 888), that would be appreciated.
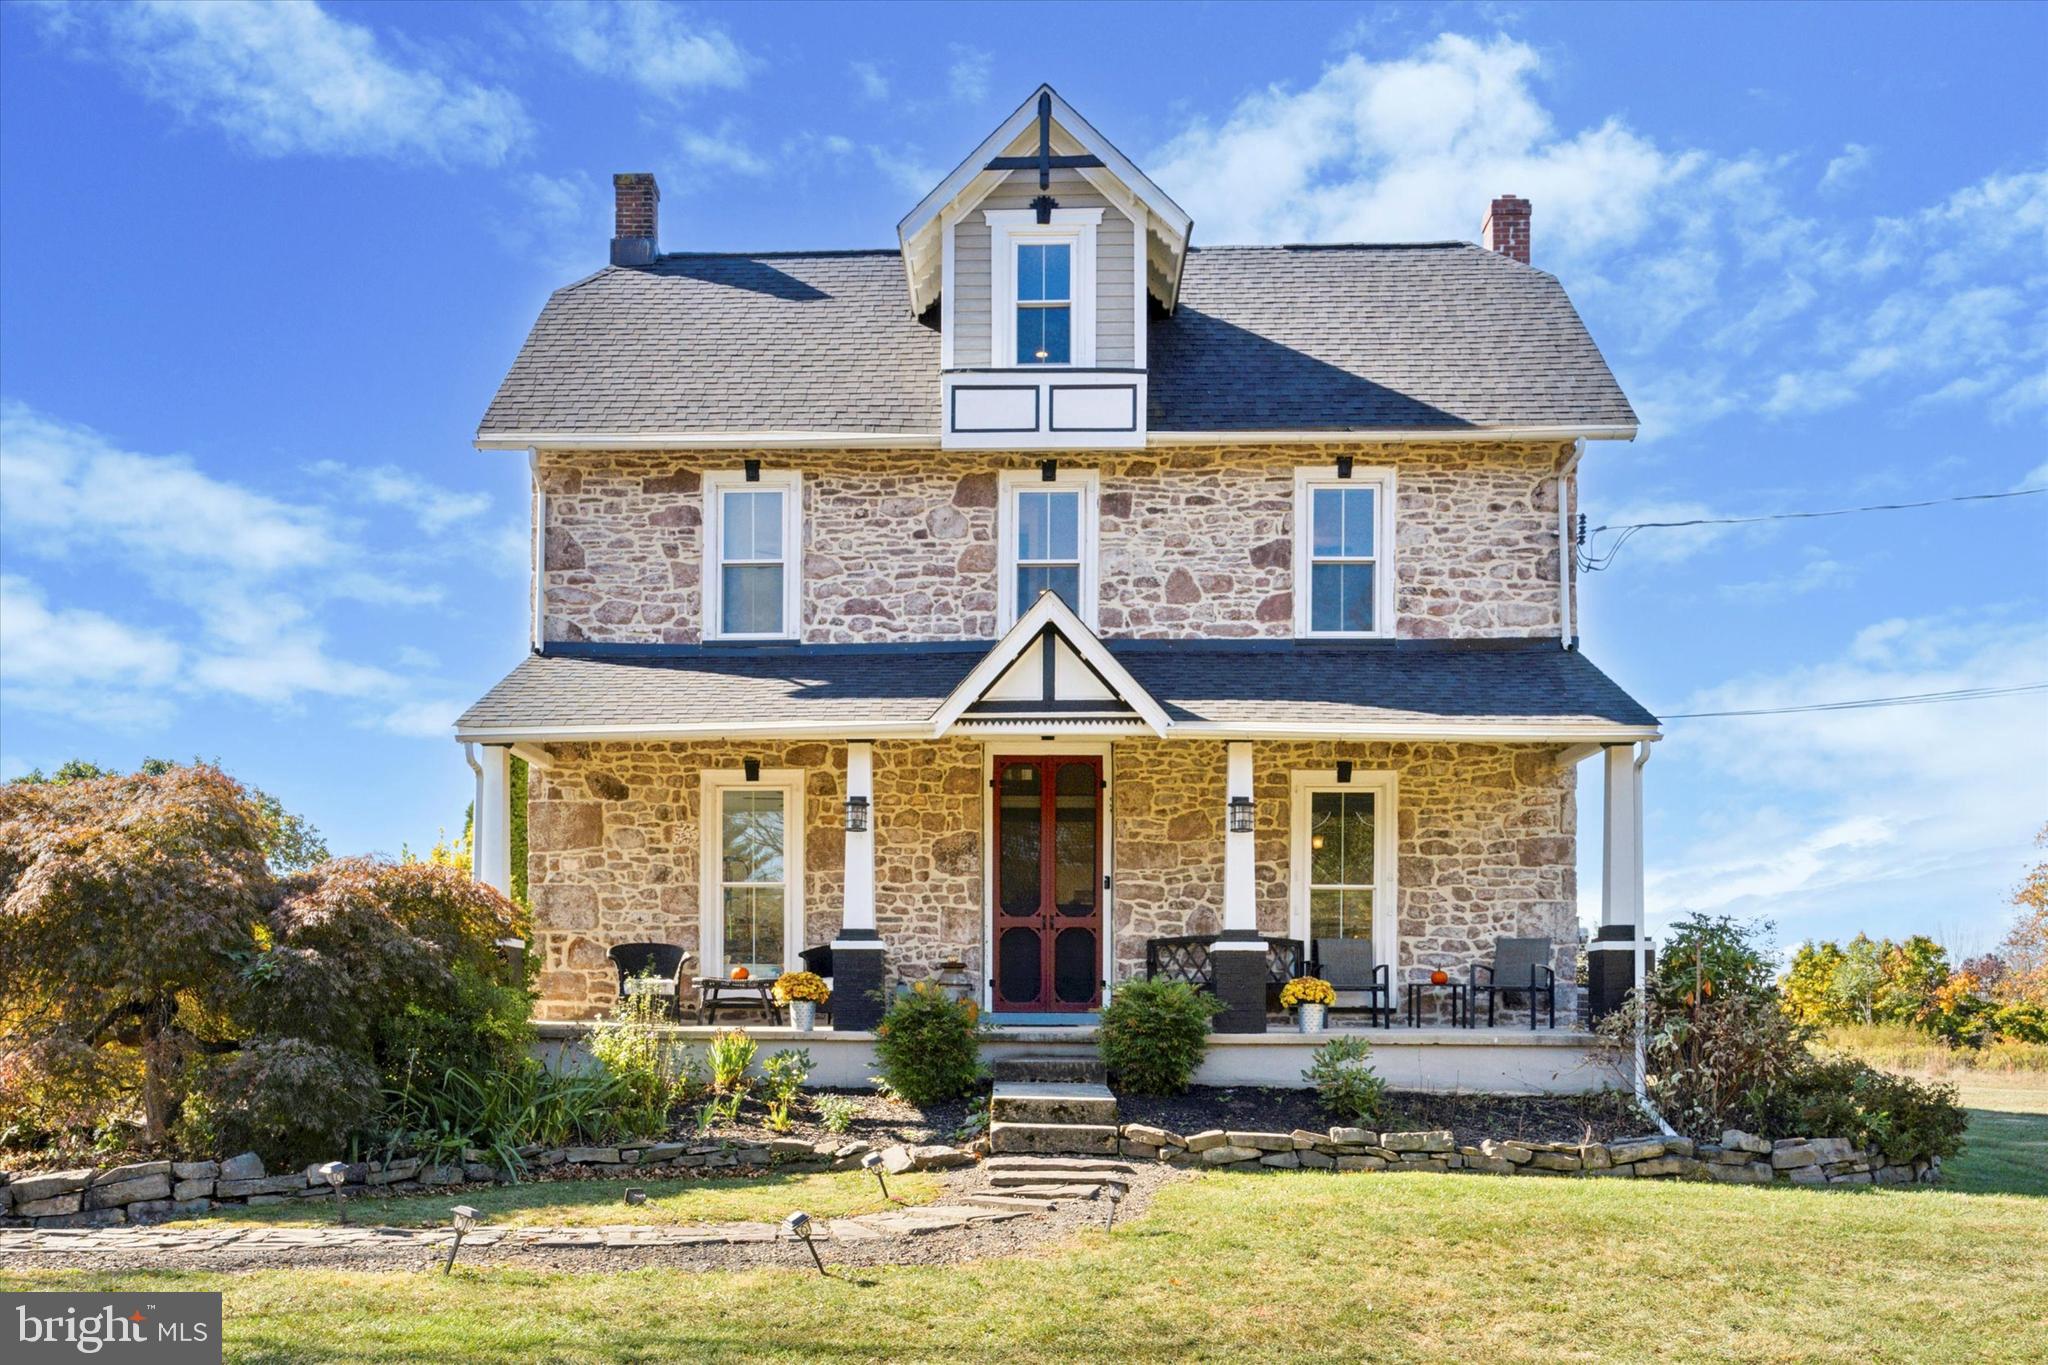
point(1461, 1002)
point(722, 992)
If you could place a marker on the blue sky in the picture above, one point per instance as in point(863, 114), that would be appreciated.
point(260, 270)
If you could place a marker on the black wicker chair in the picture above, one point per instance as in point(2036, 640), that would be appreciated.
point(1346, 963)
point(662, 962)
point(1519, 964)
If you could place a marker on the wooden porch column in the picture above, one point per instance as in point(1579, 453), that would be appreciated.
point(491, 829)
point(857, 952)
point(1612, 956)
point(1238, 957)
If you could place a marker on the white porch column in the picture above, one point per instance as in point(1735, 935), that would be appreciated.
point(1240, 881)
point(491, 851)
point(1615, 957)
point(1237, 959)
point(857, 953)
point(859, 909)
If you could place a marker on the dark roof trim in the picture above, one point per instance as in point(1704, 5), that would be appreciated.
point(592, 649)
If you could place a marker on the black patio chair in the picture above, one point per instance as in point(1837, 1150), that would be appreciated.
point(1346, 963)
point(1519, 964)
point(660, 962)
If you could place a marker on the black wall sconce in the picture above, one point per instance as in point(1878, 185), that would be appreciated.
point(1048, 470)
point(1343, 772)
point(1343, 466)
point(1241, 814)
point(753, 468)
point(753, 767)
point(856, 814)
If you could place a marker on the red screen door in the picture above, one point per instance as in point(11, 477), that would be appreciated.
point(1048, 920)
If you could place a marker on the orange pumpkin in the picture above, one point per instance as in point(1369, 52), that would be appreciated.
point(1439, 977)
point(740, 973)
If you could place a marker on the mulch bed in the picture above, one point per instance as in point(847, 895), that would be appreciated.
point(1474, 1118)
point(879, 1122)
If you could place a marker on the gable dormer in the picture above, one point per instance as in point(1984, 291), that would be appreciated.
point(1041, 250)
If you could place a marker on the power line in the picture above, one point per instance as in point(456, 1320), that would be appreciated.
point(1594, 563)
point(1871, 703)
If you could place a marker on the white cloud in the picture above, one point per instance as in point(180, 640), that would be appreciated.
point(873, 84)
point(67, 486)
point(289, 77)
point(723, 148)
point(1920, 812)
point(659, 47)
point(433, 508)
point(906, 169)
point(967, 75)
point(82, 664)
point(1844, 170)
point(559, 223)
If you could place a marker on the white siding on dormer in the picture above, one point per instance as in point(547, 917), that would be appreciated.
point(1114, 295)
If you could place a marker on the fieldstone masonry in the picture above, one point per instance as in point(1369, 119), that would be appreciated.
point(1486, 849)
point(901, 544)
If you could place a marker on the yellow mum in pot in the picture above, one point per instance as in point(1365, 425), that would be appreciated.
point(1307, 990)
point(793, 986)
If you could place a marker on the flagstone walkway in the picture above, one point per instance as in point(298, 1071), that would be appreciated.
point(1015, 1188)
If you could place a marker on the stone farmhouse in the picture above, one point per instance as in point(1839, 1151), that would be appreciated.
point(1046, 598)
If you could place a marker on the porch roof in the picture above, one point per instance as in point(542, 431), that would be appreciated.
point(1484, 690)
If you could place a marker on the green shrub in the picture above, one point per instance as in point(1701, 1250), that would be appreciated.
point(836, 1112)
point(285, 1098)
point(729, 1055)
point(649, 1070)
point(1840, 1097)
point(929, 1045)
point(787, 1071)
point(1154, 1034)
point(1341, 1072)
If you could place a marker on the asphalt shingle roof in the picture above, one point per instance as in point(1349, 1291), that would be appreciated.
point(1266, 338)
point(1277, 684)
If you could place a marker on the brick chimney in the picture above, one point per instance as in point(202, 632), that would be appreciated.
point(1506, 229)
point(637, 209)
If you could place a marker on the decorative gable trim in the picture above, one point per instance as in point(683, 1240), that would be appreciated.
point(1070, 676)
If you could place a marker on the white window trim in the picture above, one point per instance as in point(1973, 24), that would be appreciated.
point(1386, 891)
point(1009, 484)
point(1008, 227)
point(1381, 480)
point(711, 904)
point(717, 483)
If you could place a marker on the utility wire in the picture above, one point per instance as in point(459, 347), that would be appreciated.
point(1871, 703)
point(1591, 563)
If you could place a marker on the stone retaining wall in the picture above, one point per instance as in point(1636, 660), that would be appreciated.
point(150, 1191)
point(1737, 1159)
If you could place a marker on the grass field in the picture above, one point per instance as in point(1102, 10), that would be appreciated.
point(1288, 1265)
point(593, 1203)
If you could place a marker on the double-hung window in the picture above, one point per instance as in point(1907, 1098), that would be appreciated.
point(1042, 282)
point(752, 538)
point(1048, 537)
point(1343, 553)
point(753, 859)
point(1343, 858)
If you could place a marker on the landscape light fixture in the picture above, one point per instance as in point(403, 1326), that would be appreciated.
point(1241, 813)
point(464, 1218)
point(1114, 1193)
point(873, 1162)
point(335, 1173)
point(799, 1225)
point(856, 814)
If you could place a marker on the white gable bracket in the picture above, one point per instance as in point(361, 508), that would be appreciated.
point(1049, 612)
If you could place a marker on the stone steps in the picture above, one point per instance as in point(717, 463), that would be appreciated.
point(1053, 1138)
point(1056, 1167)
point(1005, 1199)
point(1077, 1070)
point(1052, 1102)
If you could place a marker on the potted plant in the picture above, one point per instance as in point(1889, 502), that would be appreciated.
point(803, 992)
point(1310, 997)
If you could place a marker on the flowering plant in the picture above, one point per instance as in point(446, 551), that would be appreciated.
point(1307, 990)
point(801, 986)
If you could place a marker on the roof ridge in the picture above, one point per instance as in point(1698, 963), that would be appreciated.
point(777, 253)
point(1339, 246)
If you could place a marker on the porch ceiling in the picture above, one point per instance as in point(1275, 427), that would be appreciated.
point(1530, 691)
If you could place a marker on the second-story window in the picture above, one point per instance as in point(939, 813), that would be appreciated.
point(751, 538)
point(1045, 303)
point(1047, 528)
point(1343, 544)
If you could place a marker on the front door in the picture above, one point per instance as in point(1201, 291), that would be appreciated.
point(1048, 912)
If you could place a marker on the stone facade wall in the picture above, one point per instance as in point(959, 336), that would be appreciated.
point(1486, 849)
point(901, 545)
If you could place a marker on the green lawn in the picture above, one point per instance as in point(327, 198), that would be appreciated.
point(1279, 1265)
point(2007, 1145)
point(593, 1203)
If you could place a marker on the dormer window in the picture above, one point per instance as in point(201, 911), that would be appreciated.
point(1043, 286)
